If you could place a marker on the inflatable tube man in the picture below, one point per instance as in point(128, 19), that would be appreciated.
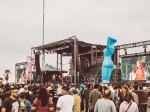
point(107, 64)
point(30, 63)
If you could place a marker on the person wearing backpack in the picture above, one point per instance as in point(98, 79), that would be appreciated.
point(25, 105)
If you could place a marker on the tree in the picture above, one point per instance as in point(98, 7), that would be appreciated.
point(6, 75)
point(1, 80)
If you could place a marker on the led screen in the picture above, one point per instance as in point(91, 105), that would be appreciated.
point(135, 68)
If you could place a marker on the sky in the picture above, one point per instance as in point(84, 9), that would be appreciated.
point(21, 24)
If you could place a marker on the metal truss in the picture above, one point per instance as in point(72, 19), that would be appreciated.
point(132, 45)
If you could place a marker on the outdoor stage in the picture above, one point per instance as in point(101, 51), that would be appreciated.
point(86, 62)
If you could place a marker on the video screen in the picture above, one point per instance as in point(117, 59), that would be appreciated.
point(21, 76)
point(135, 68)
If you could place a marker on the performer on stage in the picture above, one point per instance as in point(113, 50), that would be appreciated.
point(30, 63)
point(139, 71)
point(22, 78)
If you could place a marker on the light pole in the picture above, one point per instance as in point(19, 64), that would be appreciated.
point(75, 60)
point(43, 55)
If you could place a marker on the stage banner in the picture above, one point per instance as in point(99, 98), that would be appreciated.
point(135, 68)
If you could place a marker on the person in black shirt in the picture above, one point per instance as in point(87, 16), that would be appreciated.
point(6, 95)
point(55, 96)
point(27, 93)
point(11, 104)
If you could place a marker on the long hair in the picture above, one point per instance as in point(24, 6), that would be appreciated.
point(128, 97)
point(43, 96)
point(141, 66)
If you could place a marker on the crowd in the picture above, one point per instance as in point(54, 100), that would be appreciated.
point(129, 97)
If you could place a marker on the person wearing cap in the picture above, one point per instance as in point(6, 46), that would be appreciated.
point(11, 104)
point(65, 102)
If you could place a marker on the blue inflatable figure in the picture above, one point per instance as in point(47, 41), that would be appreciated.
point(107, 64)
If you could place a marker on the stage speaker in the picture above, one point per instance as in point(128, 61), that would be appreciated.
point(37, 63)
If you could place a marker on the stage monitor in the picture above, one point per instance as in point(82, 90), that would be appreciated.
point(135, 68)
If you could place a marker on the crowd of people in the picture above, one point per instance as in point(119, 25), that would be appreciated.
point(129, 97)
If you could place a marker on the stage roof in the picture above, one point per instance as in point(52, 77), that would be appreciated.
point(52, 69)
point(65, 46)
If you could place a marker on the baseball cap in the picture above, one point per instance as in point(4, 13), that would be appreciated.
point(65, 88)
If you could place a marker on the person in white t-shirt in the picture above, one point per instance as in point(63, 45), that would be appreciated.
point(65, 103)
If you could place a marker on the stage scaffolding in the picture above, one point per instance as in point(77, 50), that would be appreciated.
point(74, 48)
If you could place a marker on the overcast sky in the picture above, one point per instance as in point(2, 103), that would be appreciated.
point(90, 20)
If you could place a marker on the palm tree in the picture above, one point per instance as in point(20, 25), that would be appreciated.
point(6, 75)
point(1, 80)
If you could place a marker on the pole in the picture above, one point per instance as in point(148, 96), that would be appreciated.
point(75, 60)
point(43, 57)
point(61, 67)
point(31, 68)
point(57, 69)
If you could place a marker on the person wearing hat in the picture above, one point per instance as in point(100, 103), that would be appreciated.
point(65, 102)
point(11, 104)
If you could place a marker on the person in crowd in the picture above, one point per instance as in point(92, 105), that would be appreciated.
point(65, 102)
point(94, 96)
point(115, 98)
point(104, 104)
point(135, 95)
point(21, 89)
point(43, 103)
point(77, 88)
point(6, 94)
point(77, 101)
point(11, 104)
point(1, 98)
point(139, 71)
point(35, 94)
point(81, 87)
point(55, 97)
point(27, 93)
point(25, 105)
point(125, 90)
point(131, 88)
point(128, 105)
point(143, 98)
point(86, 95)
point(111, 86)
